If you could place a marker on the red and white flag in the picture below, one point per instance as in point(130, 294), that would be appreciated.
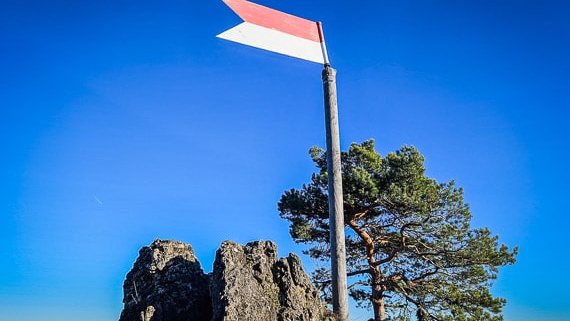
point(276, 31)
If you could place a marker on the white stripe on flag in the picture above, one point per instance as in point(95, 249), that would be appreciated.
point(273, 40)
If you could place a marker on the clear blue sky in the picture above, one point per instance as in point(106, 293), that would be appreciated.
point(124, 121)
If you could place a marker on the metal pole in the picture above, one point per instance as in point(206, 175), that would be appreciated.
point(336, 212)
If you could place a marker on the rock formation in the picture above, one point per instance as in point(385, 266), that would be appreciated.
point(166, 283)
point(247, 283)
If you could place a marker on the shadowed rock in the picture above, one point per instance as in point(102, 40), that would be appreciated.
point(166, 283)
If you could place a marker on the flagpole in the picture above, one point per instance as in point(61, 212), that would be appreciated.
point(272, 30)
point(334, 170)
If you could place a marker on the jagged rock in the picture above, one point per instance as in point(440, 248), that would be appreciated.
point(298, 297)
point(242, 282)
point(247, 283)
point(166, 283)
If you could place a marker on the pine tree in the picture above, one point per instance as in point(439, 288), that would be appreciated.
point(411, 252)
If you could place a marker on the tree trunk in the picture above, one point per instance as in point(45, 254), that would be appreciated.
point(378, 299)
point(379, 310)
point(377, 288)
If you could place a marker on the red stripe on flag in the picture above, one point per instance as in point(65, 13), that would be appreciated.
point(273, 19)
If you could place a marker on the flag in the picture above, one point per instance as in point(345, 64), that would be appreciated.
point(276, 31)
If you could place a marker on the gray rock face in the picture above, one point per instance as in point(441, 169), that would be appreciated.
point(166, 283)
point(242, 282)
point(247, 283)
